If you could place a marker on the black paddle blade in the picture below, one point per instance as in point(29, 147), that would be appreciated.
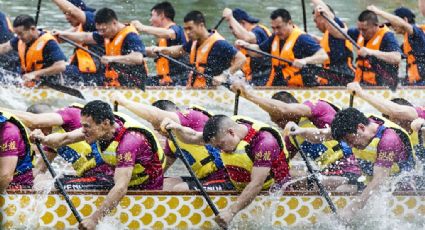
point(63, 89)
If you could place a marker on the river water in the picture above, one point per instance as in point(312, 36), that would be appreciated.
point(127, 10)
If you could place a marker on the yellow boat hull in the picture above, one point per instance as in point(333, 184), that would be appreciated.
point(160, 209)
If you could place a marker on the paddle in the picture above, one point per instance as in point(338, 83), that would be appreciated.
point(115, 106)
point(352, 99)
point(219, 23)
point(343, 78)
point(193, 69)
point(59, 183)
point(392, 83)
point(180, 154)
point(38, 12)
point(235, 108)
point(55, 86)
point(322, 189)
point(304, 15)
point(136, 82)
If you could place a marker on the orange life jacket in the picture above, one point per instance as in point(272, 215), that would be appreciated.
point(364, 71)
point(113, 48)
point(85, 61)
point(199, 58)
point(246, 68)
point(163, 65)
point(413, 74)
point(324, 43)
point(291, 74)
point(32, 59)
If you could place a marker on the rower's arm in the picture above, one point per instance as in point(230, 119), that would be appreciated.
point(57, 68)
point(7, 170)
point(237, 62)
point(40, 166)
point(35, 121)
point(149, 113)
point(379, 177)
point(258, 177)
point(239, 31)
point(314, 135)
point(317, 58)
point(387, 107)
point(393, 57)
point(173, 51)
point(278, 108)
point(79, 37)
point(393, 19)
point(56, 140)
point(5, 47)
point(122, 179)
point(421, 5)
point(242, 44)
point(133, 58)
point(155, 31)
point(68, 8)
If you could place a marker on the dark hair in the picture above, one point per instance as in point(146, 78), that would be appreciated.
point(196, 16)
point(285, 97)
point(212, 127)
point(368, 16)
point(105, 15)
point(165, 105)
point(284, 14)
point(401, 101)
point(99, 111)
point(39, 108)
point(165, 8)
point(346, 122)
point(24, 20)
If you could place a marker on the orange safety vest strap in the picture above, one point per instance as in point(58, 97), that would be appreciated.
point(246, 68)
point(85, 61)
point(32, 58)
point(163, 65)
point(199, 58)
point(113, 48)
point(412, 70)
point(364, 70)
point(290, 74)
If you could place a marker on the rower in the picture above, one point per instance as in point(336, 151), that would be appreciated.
point(168, 33)
point(403, 22)
point(309, 123)
point(397, 110)
point(10, 60)
point(87, 167)
point(204, 159)
point(15, 154)
point(252, 153)
point(128, 145)
point(290, 43)
point(83, 66)
point(381, 147)
point(340, 51)
point(379, 57)
point(248, 28)
point(124, 58)
point(47, 61)
point(209, 53)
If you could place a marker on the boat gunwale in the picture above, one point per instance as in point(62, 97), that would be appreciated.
point(191, 193)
